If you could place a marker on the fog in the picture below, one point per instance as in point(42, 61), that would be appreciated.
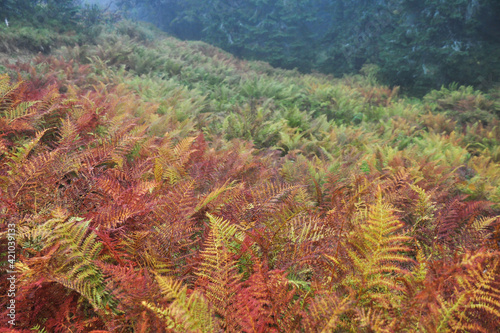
point(101, 3)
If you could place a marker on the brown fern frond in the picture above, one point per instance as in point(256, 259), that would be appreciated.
point(124, 204)
point(455, 216)
point(286, 301)
point(33, 176)
point(462, 295)
point(130, 286)
point(374, 321)
point(253, 304)
point(178, 204)
point(300, 245)
point(277, 201)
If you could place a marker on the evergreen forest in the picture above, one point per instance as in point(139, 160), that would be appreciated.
point(151, 183)
point(417, 44)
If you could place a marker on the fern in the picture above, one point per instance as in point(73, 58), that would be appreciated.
point(214, 195)
point(218, 271)
point(21, 155)
point(78, 271)
point(21, 110)
point(70, 261)
point(378, 258)
point(6, 91)
point(476, 296)
point(327, 312)
point(424, 209)
point(184, 313)
point(171, 161)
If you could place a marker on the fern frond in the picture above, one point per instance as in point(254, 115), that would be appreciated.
point(21, 110)
point(218, 270)
point(424, 207)
point(481, 286)
point(179, 203)
point(184, 313)
point(20, 156)
point(373, 321)
point(6, 90)
point(463, 295)
point(325, 312)
point(78, 271)
point(68, 132)
point(299, 244)
point(171, 160)
point(27, 176)
point(219, 240)
point(213, 195)
point(122, 204)
point(71, 253)
point(378, 257)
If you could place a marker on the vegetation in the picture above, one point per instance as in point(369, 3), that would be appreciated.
point(60, 14)
point(32, 26)
point(160, 185)
point(418, 45)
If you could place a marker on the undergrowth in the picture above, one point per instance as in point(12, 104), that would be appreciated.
point(165, 186)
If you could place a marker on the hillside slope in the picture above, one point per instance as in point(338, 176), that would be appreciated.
point(153, 185)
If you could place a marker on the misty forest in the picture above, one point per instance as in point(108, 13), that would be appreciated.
point(249, 166)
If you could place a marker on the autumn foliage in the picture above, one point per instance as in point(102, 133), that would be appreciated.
point(132, 219)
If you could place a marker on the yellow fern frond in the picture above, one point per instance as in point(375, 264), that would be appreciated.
point(184, 313)
point(71, 253)
point(6, 89)
point(425, 208)
point(170, 162)
point(213, 195)
point(218, 241)
point(218, 271)
point(378, 257)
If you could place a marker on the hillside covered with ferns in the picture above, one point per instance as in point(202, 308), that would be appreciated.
point(159, 185)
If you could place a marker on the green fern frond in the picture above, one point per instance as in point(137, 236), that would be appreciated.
point(23, 109)
point(171, 160)
point(71, 253)
point(481, 223)
point(184, 313)
point(20, 156)
point(78, 271)
point(4, 83)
